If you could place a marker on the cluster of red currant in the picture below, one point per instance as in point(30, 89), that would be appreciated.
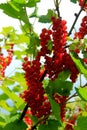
point(5, 61)
point(35, 94)
point(57, 59)
point(60, 59)
point(81, 2)
point(83, 29)
point(81, 34)
point(71, 123)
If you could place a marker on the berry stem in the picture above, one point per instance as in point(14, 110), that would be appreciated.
point(77, 16)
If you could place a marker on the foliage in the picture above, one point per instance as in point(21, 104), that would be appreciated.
point(38, 93)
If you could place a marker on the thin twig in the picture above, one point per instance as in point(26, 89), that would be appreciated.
point(24, 112)
point(77, 16)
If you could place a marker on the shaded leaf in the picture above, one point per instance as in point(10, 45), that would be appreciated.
point(81, 123)
point(63, 75)
point(46, 18)
point(74, 1)
point(59, 86)
point(15, 125)
point(51, 125)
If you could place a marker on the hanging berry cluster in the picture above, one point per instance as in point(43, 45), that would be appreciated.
point(35, 94)
point(5, 61)
point(57, 60)
point(82, 33)
point(83, 29)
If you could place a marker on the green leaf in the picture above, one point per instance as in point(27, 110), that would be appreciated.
point(74, 1)
point(14, 6)
point(32, 3)
point(55, 108)
point(21, 38)
point(81, 123)
point(7, 30)
point(59, 86)
point(14, 10)
point(9, 10)
point(43, 127)
point(12, 117)
point(51, 125)
point(17, 88)
point(46, 18)
point(20, 1)
point(49, 45)
point(19, 54)
point(82, 92)
point(1, 128)
point(85, 54)
point(79, 65)
point(3, 96)
point(63, 75)
point(2, 119)
point(15, 125)
point(33, 118)
point(8, 81)
point(2, 122)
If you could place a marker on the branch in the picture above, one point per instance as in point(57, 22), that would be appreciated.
point(24, 112)
point(77, 16)
point(57, 8)
point(26, 107)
